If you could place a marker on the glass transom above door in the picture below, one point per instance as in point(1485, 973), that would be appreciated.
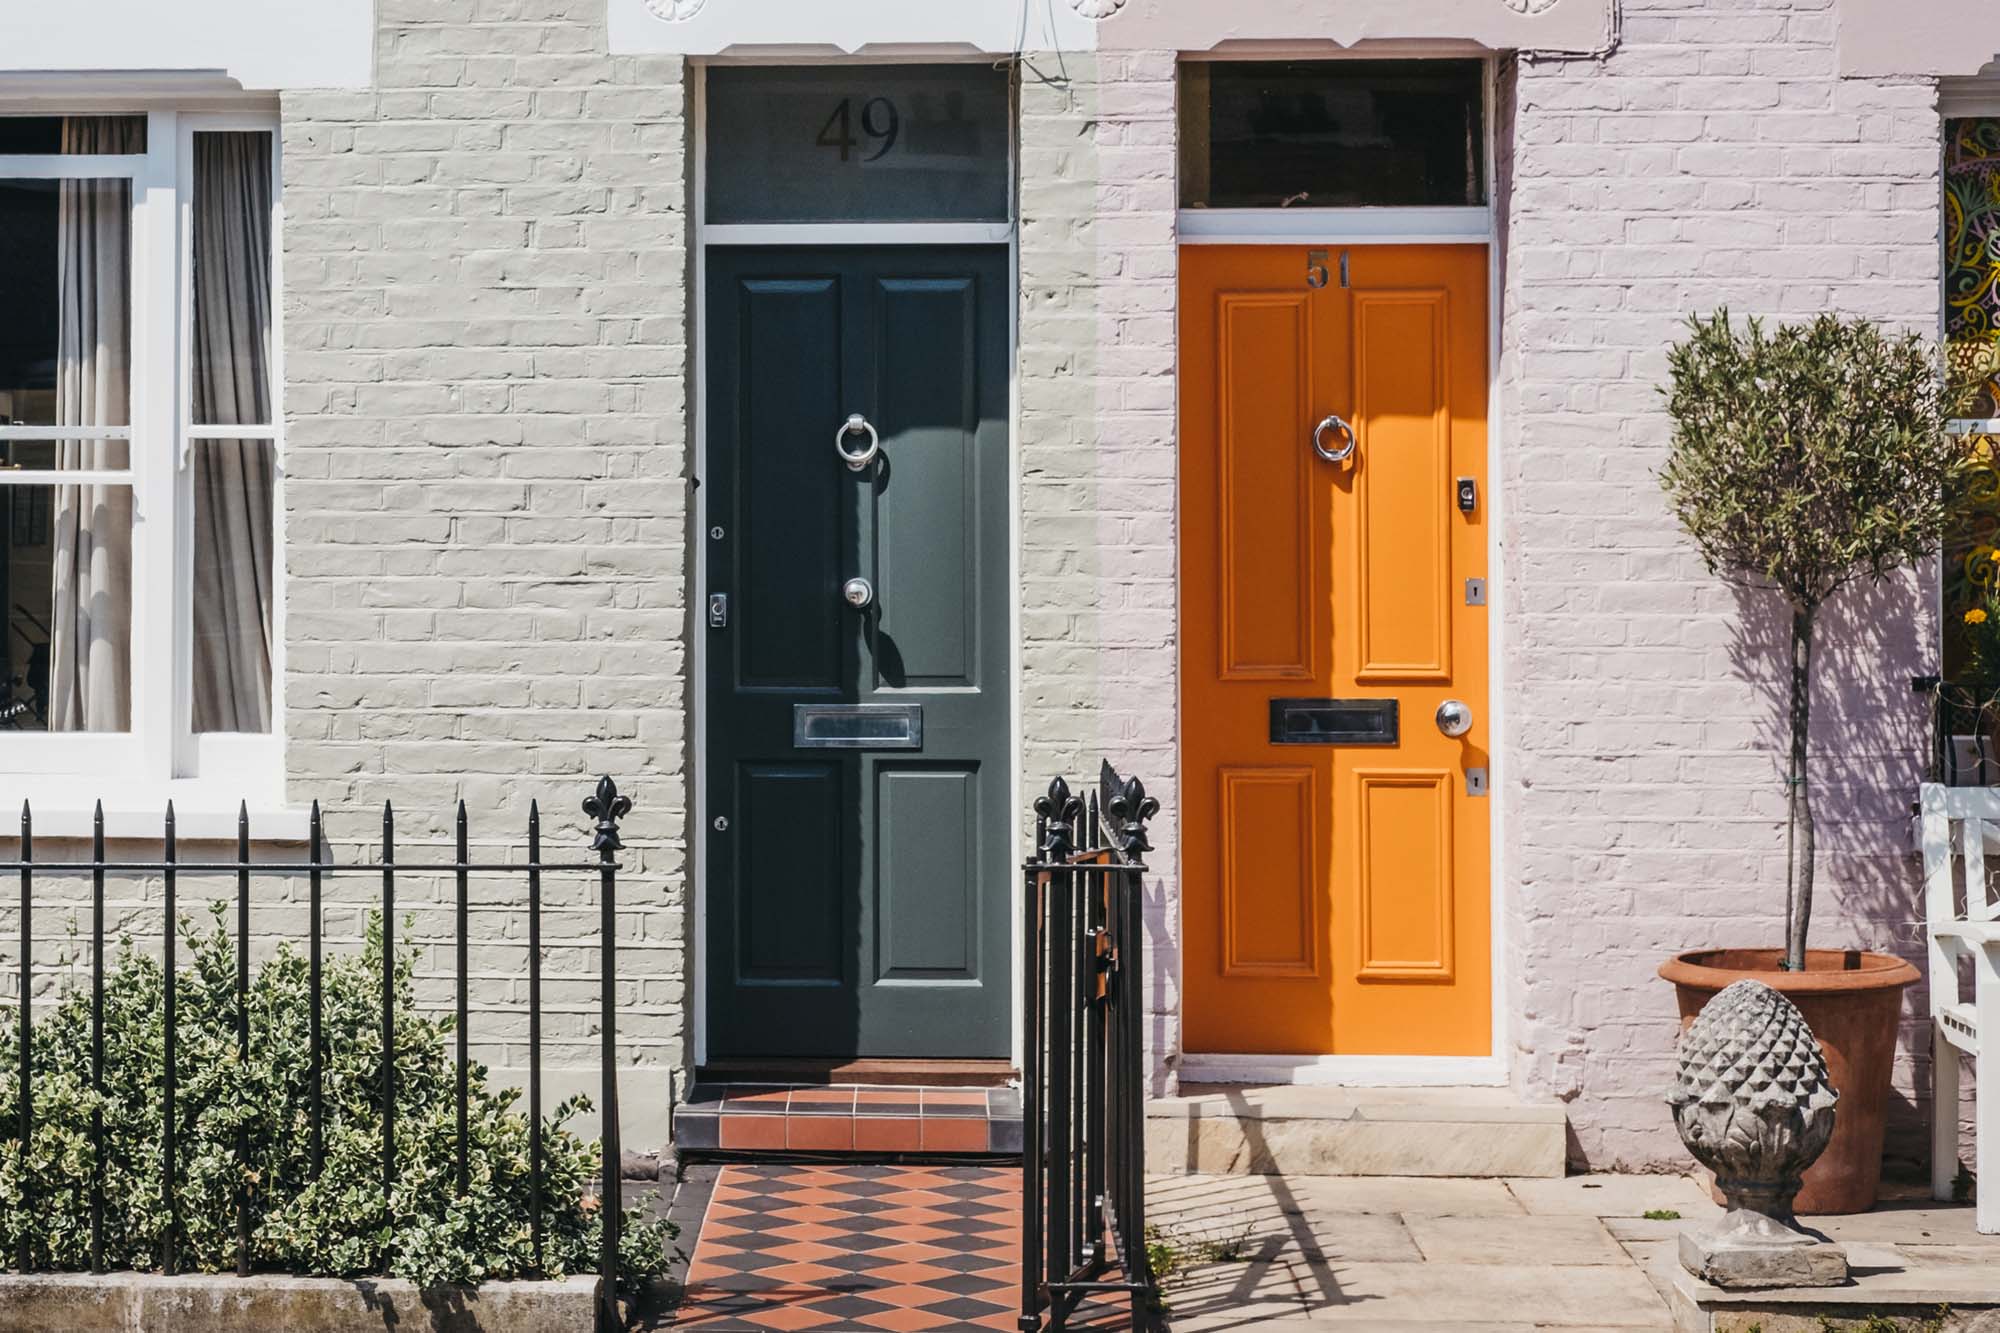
point(857, 143)
point(1332, 134)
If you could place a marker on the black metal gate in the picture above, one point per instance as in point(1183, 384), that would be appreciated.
point(1083, 1192)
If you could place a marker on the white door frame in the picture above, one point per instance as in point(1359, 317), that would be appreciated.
point(834, 233)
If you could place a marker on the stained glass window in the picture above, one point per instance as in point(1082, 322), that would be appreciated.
point(1972, 342)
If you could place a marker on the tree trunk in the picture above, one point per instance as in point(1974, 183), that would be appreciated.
point(1799, 831)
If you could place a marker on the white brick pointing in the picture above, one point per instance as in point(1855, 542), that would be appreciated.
point(485, 287)
point(1715, 157)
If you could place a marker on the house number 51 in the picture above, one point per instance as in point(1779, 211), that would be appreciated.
point(879, 123)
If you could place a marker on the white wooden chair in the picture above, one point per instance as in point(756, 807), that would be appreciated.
point(1962, 824)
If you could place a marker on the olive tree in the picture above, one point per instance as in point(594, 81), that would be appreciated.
point(1805, 458)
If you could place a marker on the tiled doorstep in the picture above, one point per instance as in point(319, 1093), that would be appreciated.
point(857, 1246)
point(848, 1118)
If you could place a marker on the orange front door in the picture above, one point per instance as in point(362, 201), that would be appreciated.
point(1336, 846)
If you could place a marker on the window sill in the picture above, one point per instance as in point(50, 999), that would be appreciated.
point(64, 807)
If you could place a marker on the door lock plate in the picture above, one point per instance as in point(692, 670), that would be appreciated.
point(1475, 592)
point(1475, 782)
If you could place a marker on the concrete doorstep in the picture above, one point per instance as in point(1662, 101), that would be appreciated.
point(1301, 1130)
point(215, 1303)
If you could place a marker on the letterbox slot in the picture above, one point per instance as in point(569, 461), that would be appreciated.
point(858, 726)
point(1335, 722)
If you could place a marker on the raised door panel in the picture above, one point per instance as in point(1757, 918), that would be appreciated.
point(928, 500)
point(1403, 875)
point(1267, 559)
point(1402, 486)
point(789, 909)
point(1268, 877)
point(790, 498)
point(927, 918)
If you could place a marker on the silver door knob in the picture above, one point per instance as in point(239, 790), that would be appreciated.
point(858, 592)
point(1454, 718)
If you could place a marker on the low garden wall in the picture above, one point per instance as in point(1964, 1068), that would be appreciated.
point(150, 1303)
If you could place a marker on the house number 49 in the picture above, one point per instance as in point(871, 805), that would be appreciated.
point(879, 123)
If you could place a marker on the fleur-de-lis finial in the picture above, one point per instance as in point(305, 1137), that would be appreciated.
point(1059, 810)
point(1126, 808)
point(607, 807)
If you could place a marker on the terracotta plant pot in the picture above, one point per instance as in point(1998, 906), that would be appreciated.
point(1852, 1001)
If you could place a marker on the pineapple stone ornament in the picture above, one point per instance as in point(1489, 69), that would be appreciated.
point(1752, 1103)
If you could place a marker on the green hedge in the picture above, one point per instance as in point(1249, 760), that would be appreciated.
point(335, 1225)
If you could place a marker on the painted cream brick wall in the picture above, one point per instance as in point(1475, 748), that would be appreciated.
point(486, 363)
point(1097, 460)
point(1715, 157)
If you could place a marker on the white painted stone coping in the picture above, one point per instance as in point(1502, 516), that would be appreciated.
point(223, 1303)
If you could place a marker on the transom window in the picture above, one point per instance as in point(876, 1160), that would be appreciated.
point(1332, 134)
point(851, 143)
point(139, 446)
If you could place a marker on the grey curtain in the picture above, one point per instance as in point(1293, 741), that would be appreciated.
point(233, 479)
point(90, 637)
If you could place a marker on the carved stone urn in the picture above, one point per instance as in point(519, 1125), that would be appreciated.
point(1753, 1104)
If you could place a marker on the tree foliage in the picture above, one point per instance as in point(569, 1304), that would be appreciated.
point(1809, 455)
point(1802, 459)
point(335, 1224)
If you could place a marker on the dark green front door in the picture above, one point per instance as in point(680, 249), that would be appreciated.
point(855, 861)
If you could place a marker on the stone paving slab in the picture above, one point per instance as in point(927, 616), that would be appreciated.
point(1364, 1325)
point(1401, 1254)
point(1454, 1294)
point(1222, 1196)
point(1615, 1196)
point(1558, 1241)
point(1230, 1217)
point(1926, 1225)
point(1426, 1195)
point(1217, 1298)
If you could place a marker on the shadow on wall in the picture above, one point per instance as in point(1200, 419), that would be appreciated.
point(1869, 734)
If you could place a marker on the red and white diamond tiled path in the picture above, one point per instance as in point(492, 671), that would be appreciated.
point(857, 1247)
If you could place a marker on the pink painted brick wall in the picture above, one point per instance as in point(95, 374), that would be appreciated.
point(1714, 157)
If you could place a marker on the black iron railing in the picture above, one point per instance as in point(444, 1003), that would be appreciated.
point(605, 805)
point(1084, 1169)
point(1964, 740)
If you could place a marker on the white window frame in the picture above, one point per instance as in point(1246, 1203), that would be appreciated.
point(160, 758)
point(242, 758)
